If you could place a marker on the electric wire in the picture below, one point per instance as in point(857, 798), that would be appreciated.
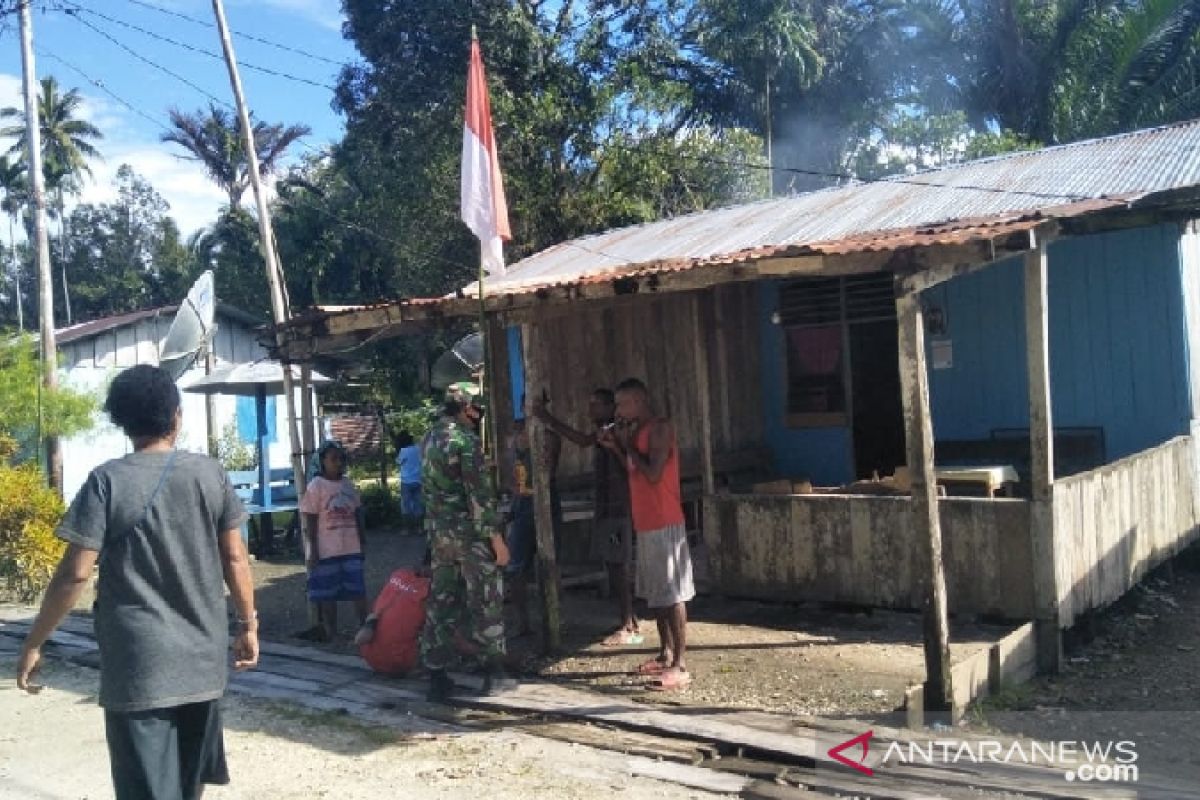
point(75, 10)
point(242, 34)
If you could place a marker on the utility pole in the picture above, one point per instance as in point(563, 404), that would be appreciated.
point(279, 309)
point(41, 242)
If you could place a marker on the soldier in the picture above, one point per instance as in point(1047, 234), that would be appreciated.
point(466, 544)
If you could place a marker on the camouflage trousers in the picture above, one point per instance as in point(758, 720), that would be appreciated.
point(464, 615)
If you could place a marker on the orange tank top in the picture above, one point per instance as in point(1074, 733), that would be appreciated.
point(655, 505)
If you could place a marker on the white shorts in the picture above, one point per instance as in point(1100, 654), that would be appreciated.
point(664, 567)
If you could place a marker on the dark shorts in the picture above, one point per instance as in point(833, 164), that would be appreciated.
point(521, 536)
point(337, 578)
point(612, 541)
point(411, 504)
point(166, 753)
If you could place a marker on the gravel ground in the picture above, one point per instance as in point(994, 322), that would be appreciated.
point(52, 748)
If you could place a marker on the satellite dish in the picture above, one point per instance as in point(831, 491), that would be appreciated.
point(462, 362)
point(192, 329)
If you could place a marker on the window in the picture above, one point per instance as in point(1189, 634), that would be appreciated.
point(816, 315)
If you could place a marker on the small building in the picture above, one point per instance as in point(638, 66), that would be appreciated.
point(1029, 321)
point(92, 353)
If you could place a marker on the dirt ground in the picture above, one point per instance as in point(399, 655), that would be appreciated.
point(1137, 679)
point(52, 746)
point(786, 658)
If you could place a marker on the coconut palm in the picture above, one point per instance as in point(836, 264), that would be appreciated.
point(67, 144)
point(15, 190)
point(1062, 71)
point(212, 138)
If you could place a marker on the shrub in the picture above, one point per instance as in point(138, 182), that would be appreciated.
point(232, 452)
point(381, 506)
point(29, 513)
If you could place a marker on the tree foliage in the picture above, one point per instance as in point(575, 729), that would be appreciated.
point(64, 411)
point(213, 139)
point(126, 255)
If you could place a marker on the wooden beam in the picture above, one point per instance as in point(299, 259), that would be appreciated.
point(703, 396)
point(547, 559)
point(1041, 452)
point(918, 425)
point(923, 268)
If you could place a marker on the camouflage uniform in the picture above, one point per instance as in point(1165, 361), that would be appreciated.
point(466, 592)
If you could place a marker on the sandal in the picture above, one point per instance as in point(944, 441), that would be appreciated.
point(652, 667)
point(621, 638)
point(671, 680)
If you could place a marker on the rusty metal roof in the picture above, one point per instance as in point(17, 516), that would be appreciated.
point(1002, 188)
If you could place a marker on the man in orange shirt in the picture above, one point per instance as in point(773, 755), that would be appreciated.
point(646, 446)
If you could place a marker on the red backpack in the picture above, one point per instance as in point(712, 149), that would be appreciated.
point(400, 609)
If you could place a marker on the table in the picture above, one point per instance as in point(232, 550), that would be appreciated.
point(991, 477)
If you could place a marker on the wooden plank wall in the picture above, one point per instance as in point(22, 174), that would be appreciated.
point(863, 550)
point(1115, 523)
point(651, 338)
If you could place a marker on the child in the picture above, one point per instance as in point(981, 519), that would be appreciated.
point(408, 459)
point(334, 535)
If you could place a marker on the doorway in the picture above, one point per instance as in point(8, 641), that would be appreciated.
point(877, 422)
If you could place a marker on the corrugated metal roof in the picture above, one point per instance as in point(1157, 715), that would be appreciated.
point(84, 330)
point(1003, 187)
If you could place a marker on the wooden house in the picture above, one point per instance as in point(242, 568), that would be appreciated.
point(1032, 316)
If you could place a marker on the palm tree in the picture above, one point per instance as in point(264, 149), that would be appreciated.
point(1059, 72)
point(66, 148)
point(213, 139)
point(15, 189)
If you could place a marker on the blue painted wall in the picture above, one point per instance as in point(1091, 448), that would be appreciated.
point(1118, 353)
point(516, 371)
point(820, 454)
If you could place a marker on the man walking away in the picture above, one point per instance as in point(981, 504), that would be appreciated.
point(612, 533)
point(466, 544)
point(164, 526)
point(646, 444)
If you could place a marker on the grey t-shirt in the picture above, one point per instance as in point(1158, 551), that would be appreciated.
point(160, 613)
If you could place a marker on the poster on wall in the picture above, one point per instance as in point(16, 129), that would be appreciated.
point(942, 353)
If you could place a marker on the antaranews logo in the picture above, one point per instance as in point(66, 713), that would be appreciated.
point(1082, 761)
point(863, 740)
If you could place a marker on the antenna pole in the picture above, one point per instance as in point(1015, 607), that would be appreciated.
point(41, 242)
point(267, 239)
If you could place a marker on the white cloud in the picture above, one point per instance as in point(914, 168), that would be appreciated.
point(193, 198)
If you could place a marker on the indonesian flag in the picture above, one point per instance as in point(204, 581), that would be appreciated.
point(484, 208)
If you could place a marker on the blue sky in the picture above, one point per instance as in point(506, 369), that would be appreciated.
point(310, 25)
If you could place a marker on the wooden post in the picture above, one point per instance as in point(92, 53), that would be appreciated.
point(914, 381)
point(547, 559)
point(279, 309)
point(307, 434)
point(210, 400)
point(499, 389)
point(41, 240)
point(1041, 451)
point(703, 396)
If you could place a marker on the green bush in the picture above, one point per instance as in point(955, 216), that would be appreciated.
point(29, 513)
point(381, 506)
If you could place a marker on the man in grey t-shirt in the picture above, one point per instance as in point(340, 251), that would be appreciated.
point(164, 527)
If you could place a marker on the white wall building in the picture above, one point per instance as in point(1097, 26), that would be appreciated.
point(91, 354)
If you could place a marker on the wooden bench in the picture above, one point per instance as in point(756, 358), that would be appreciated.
point(281, 498)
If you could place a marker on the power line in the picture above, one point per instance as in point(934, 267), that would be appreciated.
point(74, 10)
point(249, 36)
point(102, 87)
point(148, 61)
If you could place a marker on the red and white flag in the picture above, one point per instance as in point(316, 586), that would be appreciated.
point(484, 208)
